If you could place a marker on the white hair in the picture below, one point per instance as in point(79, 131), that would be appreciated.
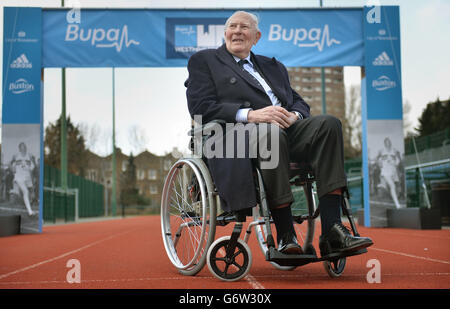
point(253, 17)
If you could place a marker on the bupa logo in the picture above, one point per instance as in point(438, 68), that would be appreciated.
point(185, 36)
point(117, 38)
point(303, 37)
point(383, 83)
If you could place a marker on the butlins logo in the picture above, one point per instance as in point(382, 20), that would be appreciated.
point(185, 36)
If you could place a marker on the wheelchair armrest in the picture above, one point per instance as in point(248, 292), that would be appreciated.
point(206, 127)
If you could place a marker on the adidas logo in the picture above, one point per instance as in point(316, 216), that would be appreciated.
point(21, 62)
point(383, 59)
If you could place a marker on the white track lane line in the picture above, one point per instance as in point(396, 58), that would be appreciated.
point(250, 279)
point(411, 255)
point(61, 256)
point(273, 276)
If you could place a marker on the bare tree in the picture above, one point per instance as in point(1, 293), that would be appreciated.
point(98, 139)
point(352, 127)
point(91, 133)
point(407, 123)
point(137, 138)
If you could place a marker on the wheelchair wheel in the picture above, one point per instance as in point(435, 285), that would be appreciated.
point(188, 215)
point(335, 268)
point(233, 268)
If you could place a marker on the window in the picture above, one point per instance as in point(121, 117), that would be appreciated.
point(124, 165)
point(151, 174)
point(167, 164)
point(153, 189)
point(140, 174)
point(92, 175)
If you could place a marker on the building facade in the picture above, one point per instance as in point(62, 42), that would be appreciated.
point(307, 82)
point(150, 173)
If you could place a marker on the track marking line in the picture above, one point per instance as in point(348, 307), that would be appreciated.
point(254, 283)
point(61, 256)
point(412, 256)
point(414, 235)
point(362, 275)
point(352, 275)
point(249, 278)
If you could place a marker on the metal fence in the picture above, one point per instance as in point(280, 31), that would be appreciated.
point(83, 199)
point(435, 140)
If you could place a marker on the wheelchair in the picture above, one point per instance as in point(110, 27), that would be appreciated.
point(189, 217)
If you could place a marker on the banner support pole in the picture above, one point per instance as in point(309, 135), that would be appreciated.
point(114, 163)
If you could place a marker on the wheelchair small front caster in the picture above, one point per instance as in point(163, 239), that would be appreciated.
point(335, 268)
point(231, 267)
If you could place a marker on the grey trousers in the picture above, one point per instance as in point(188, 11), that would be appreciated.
point(317, 141)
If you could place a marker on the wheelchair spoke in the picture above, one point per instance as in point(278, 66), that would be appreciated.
point(223, 259)
point(183, 200)
point(238, 266)
point(227, 265)
point(239, 251)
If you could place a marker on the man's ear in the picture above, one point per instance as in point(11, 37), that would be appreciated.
point(258, 36)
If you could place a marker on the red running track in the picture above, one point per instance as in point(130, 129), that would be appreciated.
point(129, 254)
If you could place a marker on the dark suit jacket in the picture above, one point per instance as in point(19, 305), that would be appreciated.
point(216, 89)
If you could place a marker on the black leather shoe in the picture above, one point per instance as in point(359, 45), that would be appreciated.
point(289, 245)
point(340, 240)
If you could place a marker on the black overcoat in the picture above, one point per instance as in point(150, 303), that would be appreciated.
point(216, 89)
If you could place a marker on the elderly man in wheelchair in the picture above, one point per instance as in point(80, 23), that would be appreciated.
point(230, 88)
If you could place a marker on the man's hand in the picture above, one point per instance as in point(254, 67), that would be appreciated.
point(272, 114)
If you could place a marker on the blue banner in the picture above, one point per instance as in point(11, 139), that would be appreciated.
point(167, 38)
point(22, 115)
point(383, 144)
point(21, 65)
point(382, 63)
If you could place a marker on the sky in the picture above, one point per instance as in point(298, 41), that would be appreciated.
point(151, 102)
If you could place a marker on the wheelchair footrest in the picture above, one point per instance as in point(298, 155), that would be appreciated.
point(273, 255)
point(340, 255)
point(225, 218)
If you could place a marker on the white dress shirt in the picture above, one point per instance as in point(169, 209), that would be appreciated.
point(241, 115)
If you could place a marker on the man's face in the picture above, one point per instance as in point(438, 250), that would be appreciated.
point(241, 35)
